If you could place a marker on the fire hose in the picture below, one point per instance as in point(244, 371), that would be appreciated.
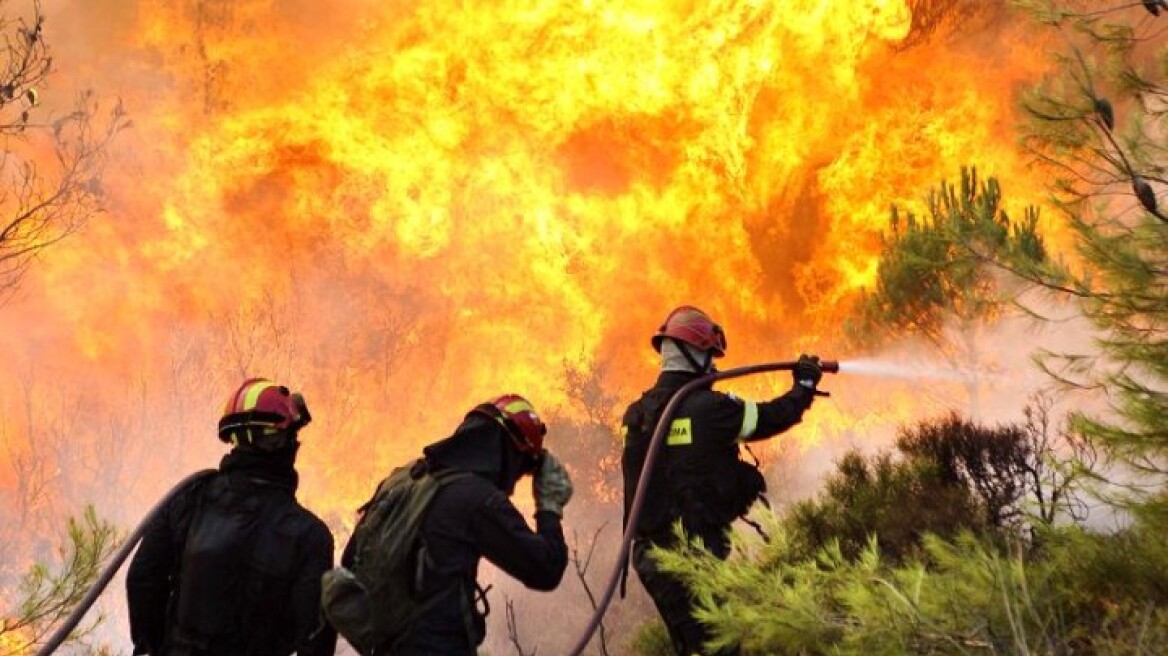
point(111, 569)
point(829, 366)
point(62, 633)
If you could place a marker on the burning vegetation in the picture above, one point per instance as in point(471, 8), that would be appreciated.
point(403, 210)
point(482, 196)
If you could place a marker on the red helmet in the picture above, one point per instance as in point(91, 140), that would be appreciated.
point(694, 327)
point(518, 416)
point(260, 412)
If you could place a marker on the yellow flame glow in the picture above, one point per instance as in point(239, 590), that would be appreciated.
point(406, 208)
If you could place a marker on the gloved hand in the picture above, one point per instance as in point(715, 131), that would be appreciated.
point(551, 486)
point(807, 372)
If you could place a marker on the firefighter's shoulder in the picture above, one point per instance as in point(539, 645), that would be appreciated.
point(714, 399)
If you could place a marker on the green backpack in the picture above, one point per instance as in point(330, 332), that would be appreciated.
point(373, 602)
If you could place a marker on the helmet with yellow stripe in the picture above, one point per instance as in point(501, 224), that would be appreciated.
point(263, 415)
point(518, 416)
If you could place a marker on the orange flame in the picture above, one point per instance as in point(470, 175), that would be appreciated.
point(404, 209)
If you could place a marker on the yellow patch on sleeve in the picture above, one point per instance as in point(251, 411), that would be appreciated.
point(680, 433)
point(749, 419)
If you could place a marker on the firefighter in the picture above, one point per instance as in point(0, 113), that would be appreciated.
point(472, 517)
point(698, 477)
point(232, 564)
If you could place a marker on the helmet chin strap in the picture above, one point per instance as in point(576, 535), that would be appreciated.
point(703, 368)
point(508, 477)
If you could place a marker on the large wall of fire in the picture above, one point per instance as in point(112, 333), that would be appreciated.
point(404, 208)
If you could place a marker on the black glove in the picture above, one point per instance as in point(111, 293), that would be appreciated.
point(807, 372)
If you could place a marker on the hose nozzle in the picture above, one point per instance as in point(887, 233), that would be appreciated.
point(829, 366)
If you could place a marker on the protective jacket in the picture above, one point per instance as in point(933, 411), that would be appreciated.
point(470, 519)
point(232, 567)
point(699, 477)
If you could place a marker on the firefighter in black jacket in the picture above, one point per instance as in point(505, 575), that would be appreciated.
point(698, 477)
point(473, 517)
point(232, 565)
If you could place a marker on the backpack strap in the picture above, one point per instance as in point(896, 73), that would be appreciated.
point(194, 498)
point(759, 495)
point(196, 492)
point(654, 402)
point(625, 574)
point(471, 617)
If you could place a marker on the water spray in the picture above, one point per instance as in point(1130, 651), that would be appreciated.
point(828, 366)
point(887, 369)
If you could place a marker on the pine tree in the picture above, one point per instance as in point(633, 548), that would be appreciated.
point(1097, 125)
point(933, 272)
point(48, 593)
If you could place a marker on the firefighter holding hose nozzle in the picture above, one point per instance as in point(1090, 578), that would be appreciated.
point(698, 477)
point(231, 565)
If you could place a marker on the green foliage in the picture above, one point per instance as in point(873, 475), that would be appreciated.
point(867, 496)
point(49, 593)
point(972, 597)
point(936, 277)
point(922, 551)
point(955, 475)
point(990, 462)
point(1101, 573)
point(932, 268)
point(652, 639)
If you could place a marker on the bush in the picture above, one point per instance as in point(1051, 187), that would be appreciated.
point(868, 496)
point(1087, 594)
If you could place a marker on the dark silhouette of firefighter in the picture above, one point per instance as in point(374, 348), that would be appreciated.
point(232, 565)
point(461, 489)
point(698, 477)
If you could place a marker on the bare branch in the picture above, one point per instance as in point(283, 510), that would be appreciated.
point(50, 182)
point(513, 630)
point(581, 566)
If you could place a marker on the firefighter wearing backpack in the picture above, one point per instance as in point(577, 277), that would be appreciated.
point(232, 565)
point(698, 477)
point(407, 585)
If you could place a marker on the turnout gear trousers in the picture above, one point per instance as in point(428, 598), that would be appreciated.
point(674, 604)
